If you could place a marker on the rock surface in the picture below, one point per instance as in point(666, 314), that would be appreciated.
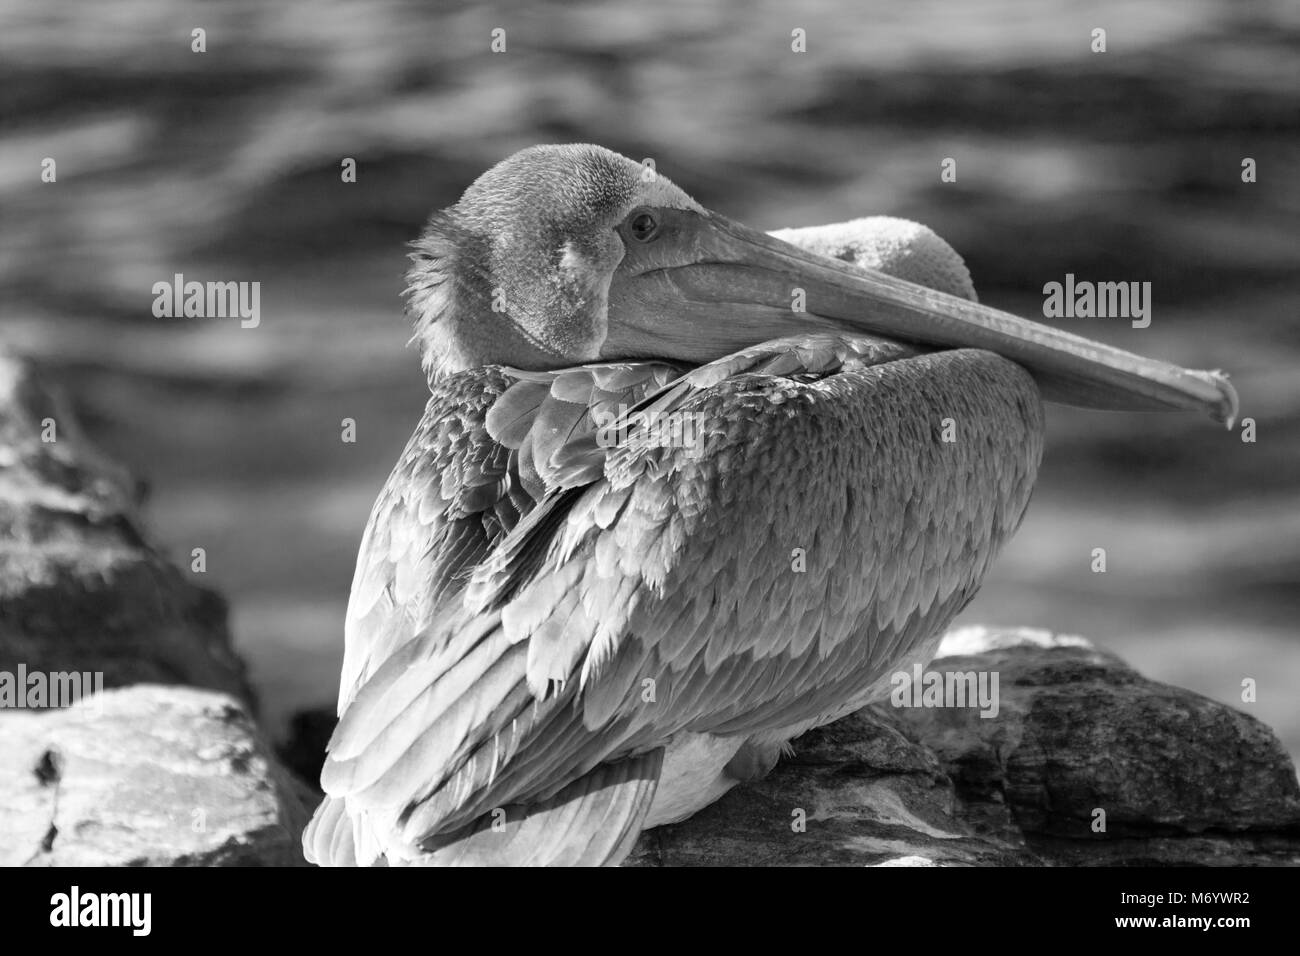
point(145, 776)
point(856, 792)
point(1181, 779)
point(80, 588)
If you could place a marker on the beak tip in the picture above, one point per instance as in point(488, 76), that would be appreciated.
point(1229, 405)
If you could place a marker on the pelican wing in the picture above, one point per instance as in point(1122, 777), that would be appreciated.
point(491, 443)
point(830, 503)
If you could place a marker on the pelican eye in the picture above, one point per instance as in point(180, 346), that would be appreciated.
point(643, 226)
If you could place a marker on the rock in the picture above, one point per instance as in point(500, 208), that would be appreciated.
point(81, 589)
point(1181, 779)
point(303, 751)
point(858, 791)
point(147, 775)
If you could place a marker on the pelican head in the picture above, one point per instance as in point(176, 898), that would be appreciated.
point(563, 255)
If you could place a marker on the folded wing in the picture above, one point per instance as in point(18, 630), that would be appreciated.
point(568, 569)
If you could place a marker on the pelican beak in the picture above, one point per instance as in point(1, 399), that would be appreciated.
point(712, 286)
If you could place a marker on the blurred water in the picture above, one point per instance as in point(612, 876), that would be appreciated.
point(225, 165)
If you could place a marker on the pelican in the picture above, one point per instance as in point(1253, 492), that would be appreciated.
point(564, 629)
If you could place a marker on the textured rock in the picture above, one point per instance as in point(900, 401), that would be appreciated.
point(1182, 779)
point(80, 587)
point(857, 792)
point(147, 775)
